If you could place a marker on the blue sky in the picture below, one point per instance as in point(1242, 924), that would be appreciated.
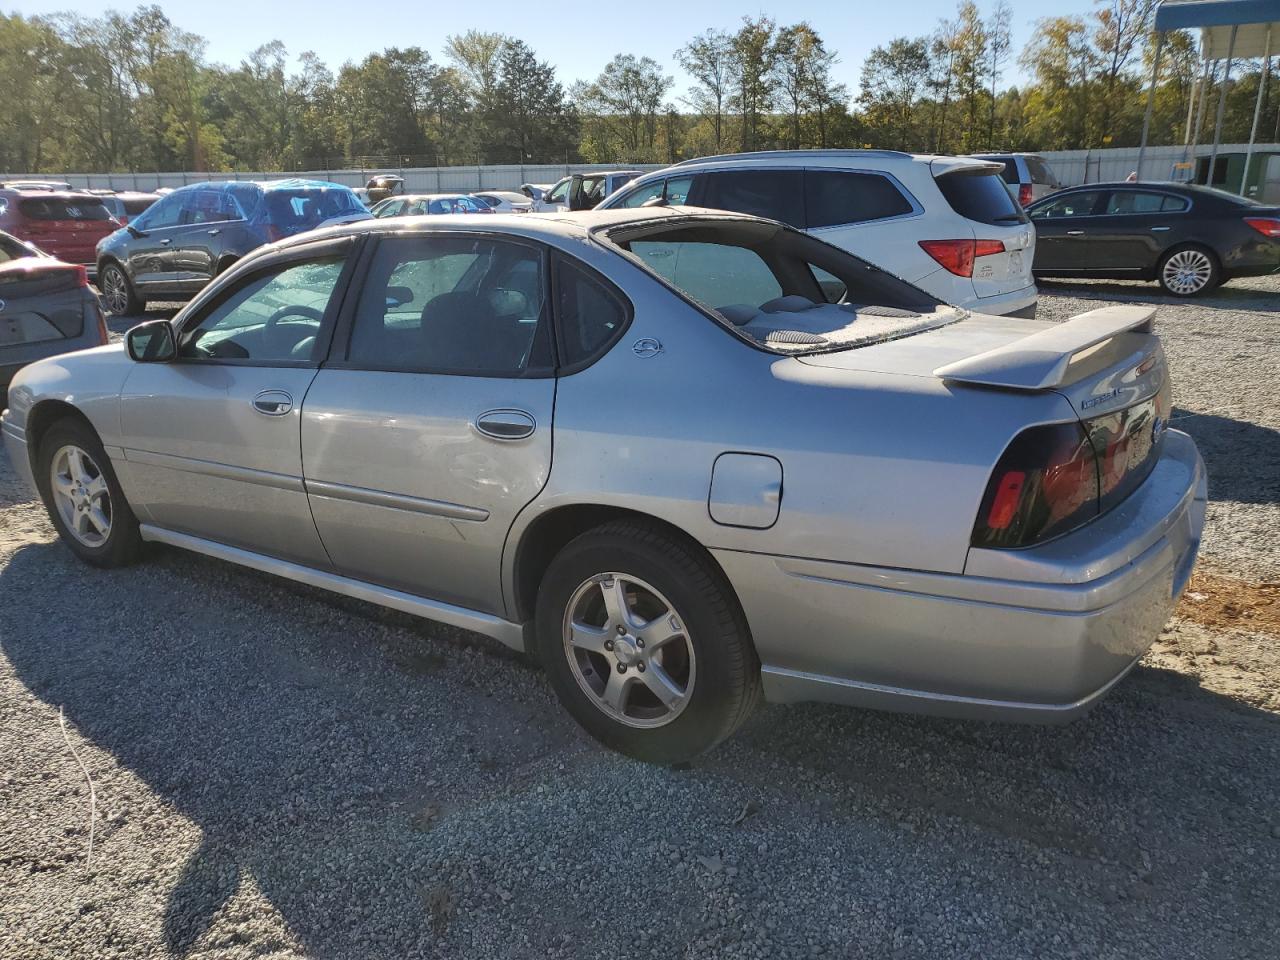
point(656, 28)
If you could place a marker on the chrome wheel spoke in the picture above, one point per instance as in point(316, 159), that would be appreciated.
point(63, 485)
point(586, 637)
point(616, 690)
point(660, 631)
point(99, 520)
point(81, 496)
point(96, 487)
point(615, 602)
point(75, 464)
point(661, 685)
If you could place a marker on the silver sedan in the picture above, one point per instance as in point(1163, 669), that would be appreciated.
point(686, 459)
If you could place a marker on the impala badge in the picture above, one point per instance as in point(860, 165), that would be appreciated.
point(647, 347)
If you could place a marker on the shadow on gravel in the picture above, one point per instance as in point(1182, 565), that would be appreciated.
point(1242, 458)
point(317, 744)
point(1230, 296)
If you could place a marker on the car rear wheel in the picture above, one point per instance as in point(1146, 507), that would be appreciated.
point(1186, 271)
point(118, 293)
point(83, 496)
point(645, 644)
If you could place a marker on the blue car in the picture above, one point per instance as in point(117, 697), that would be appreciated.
point(191, 235)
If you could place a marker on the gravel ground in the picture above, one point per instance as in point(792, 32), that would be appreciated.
point(285, 773)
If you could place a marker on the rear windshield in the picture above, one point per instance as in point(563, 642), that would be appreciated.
point(310, 207)
point(1010, 168)
point(780, 289)
point(982, 197)
point(135, 207)
point(63, 208)
point(12, 249)
point(1040, 172)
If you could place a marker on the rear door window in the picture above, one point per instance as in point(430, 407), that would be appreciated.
point(982, 197)
point(591, 314)
point(1134, 201)
point(834, 197)
point(642, 195)
point(776, 194)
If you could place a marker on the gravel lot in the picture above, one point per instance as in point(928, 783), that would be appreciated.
point(285, 773)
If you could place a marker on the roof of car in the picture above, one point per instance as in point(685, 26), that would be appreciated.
point(533, 225)
point(290, 183)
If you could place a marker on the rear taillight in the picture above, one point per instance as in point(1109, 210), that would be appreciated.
point(1024, 195)
point(957, 256)
point(1045, 484)
point(82, 274)
point(104, 334)
point(1267, 226)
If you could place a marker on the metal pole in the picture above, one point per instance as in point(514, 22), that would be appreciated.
point(1222, 104)
point(1257, 112)
point(1151, 101)
point(1200, 105)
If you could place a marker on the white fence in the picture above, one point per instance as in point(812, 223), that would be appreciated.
point(1071, 166)
point(1074, 167)
point(416, 179)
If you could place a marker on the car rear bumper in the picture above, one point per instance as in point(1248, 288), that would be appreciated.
point(1019, 303)
point(1036, 635)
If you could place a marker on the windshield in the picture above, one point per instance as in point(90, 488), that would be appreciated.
point(779, 288)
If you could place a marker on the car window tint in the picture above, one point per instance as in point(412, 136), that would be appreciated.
point(165, 212)
point(388, 208)
point(678, 189)
point(212, 205)
point(1040, 172)
point(1171, 204)
point(1071, 205)
point(452, 305)
point(982, 197)
point(1010, 172)
point(715, 274)
point(1134, 201)
point(590, 312)
point(776, 194)
point(274, 315)
point(832, 197)
point(643, 194)
point(12, 249)
point(560, 193)
point(64, 208)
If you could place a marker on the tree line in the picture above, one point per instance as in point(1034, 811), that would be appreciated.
point(133, 91)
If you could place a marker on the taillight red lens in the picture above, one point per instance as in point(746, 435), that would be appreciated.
point(1045, 484)
point(958, 255)
point(82, 274)
point(1024, 195)
point(104, 334)
point(955, 255)
point(1267, 226)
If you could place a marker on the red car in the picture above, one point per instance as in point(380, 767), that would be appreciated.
point(63, 223)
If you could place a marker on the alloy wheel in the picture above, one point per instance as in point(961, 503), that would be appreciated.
point(115, 290)
point(629, 651)
point(1187, 271)
point(81, 495)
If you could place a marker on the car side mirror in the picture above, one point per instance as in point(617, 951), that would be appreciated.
point(152, 342)
point(134, 231)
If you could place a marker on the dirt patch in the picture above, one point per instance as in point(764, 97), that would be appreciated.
point(1213, 600)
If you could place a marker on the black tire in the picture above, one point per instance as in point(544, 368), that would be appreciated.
point(726, 687)
point(1211, 271)
point(122, 544)
point(118, 292)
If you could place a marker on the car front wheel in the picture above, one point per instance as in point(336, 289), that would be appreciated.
point(645, 643)
point(83, 496)
point(117, 292)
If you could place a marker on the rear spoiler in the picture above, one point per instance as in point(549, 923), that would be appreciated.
point(1039, 361)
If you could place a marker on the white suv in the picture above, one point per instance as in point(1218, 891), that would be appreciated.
point(945, 224)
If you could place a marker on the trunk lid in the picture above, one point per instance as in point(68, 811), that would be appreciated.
point(40, 300)
point(66, 225)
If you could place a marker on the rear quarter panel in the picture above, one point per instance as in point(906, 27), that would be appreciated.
point(878, 468)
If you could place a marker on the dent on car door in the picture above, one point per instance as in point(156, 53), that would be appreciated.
point(430, 427)
point(211, 440)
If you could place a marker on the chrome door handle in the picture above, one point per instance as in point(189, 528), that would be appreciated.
point(273, 403)
point(1157, 229)
point(1075, 233)
point(166, 241)
point(214, 233)
point(506, 424)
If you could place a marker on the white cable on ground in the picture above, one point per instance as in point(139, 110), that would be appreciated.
point(93, 793)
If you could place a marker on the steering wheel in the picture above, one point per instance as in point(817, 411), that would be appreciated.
point(291, 310)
